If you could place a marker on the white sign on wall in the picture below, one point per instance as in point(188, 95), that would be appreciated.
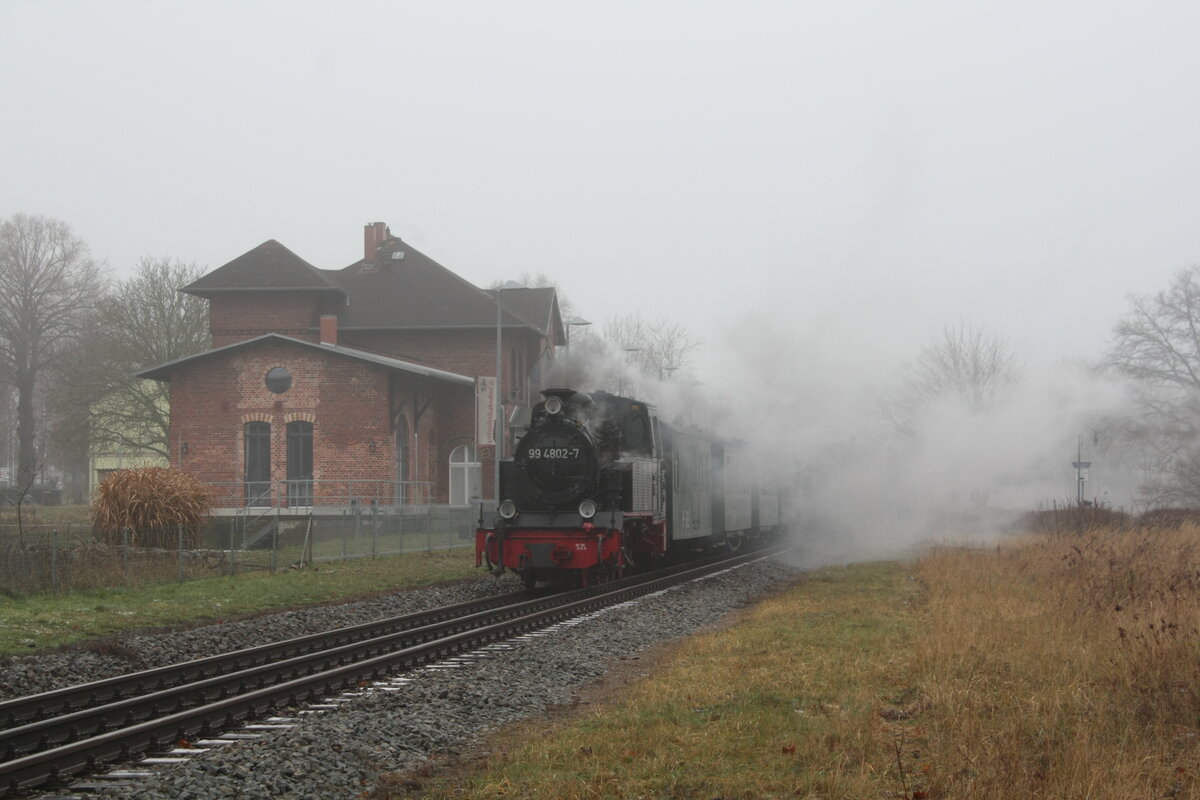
point(485, 411)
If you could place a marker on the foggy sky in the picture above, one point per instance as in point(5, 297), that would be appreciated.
point(879, 169)
point(847, 178)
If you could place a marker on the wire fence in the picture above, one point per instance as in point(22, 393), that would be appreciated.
point(321, 493)
point(55, 559)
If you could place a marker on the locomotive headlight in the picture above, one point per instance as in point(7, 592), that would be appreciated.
point(508, 509)
point(553, 405)
point(587, 509)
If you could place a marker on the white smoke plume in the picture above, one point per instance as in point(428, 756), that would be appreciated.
point(857, 489)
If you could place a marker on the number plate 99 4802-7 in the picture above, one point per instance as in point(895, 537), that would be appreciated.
point(554, 452)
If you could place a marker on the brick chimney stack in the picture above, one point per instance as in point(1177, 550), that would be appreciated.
point(328, 329)
point(373, 235)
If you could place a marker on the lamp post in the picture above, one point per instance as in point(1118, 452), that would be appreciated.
point(629, 351)
point(572, 323)
point(1081, 466)
point(499, 447)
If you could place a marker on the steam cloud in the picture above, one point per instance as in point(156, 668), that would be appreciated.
point(857, 490)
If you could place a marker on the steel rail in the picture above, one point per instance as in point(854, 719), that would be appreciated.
point(32, 708)
point(45, 733)
point(100, 746)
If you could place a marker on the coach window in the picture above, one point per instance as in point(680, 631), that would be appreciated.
point(635, 434)
point(466, 476)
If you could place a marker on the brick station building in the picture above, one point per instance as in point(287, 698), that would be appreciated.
point(359, 383)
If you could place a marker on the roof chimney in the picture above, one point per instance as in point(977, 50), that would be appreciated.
point(328, 329)
point(373, 235)
point(368, 242)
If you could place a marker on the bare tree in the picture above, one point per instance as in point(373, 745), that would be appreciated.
point(8, 428)
point(966, 364)
point(48, 285)
point(539, 280)
point(658, 348)
point(145, 322)
point(1157, 346)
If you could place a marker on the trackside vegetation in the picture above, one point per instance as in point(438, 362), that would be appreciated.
point(29, 624)
point(1055, 665)
point(785, 703)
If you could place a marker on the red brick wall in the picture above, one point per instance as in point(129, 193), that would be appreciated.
point(348, 403)
point(465, 352)
point(237, 317)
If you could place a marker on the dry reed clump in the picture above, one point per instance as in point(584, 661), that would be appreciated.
point(1062, 666)
point(151, 502)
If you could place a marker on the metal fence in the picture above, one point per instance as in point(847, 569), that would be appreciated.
point(321, 494)
point(42, 558)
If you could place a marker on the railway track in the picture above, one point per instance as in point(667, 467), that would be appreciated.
point(53, 735)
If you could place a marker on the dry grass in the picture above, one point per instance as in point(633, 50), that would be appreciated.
point(785, 705)
point(1051, 667)
point(1064, 667)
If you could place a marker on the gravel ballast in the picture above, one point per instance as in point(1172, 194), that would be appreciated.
point(444, 709)
point(25, 675)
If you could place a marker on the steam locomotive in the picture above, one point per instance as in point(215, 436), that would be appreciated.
point(599, 485)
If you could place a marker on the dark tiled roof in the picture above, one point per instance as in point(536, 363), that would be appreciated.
point(535, 305)
point(417, 292)
point(410, 292)
point(270, 266)
point(163, 371)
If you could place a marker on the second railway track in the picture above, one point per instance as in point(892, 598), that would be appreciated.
point(81, 728)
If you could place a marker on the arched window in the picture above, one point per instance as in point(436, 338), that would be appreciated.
point(466, 476)
point(402, 492)
point(300, 463)
point(256, 446)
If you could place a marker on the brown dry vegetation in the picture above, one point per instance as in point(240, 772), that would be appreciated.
point(1064, 666)
point(1053, 666)
point(150, 502)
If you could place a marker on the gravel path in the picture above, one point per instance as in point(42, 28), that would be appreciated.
point(341, 752)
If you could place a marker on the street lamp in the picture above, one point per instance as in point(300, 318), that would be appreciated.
point(575, 322)
point(629, 351)
point(499, 448)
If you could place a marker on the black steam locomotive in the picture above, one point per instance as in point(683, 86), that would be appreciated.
point(599, 484)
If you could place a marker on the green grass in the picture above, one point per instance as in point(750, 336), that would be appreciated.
point(47, 621)
point(786, 704)
point(46, 515)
